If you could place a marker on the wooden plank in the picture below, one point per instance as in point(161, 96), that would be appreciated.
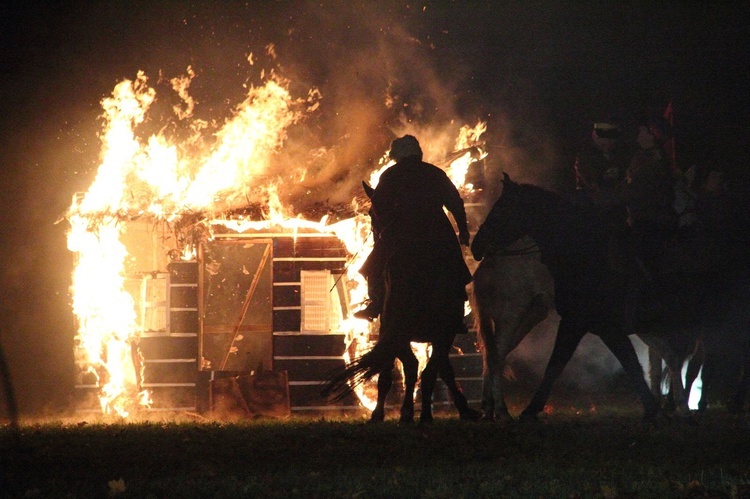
point(183, 272)
point(173, 398)
point(467, 365)
point(286, 296)
point(324, 345)
point(287, 320)
point(183, 297)
point(183, 321)
point(168, 347)
point(170, 372)
point(297, 265)
point(281, 275)
point(308, 369)
point(466, 343)
point(309, 396)
point(309, 247)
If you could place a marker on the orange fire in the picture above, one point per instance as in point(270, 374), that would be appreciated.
point(162, 180)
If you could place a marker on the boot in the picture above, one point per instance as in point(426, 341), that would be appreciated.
point(369, 313)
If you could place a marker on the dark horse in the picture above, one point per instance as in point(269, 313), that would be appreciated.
point(591, 294)
point(420, 305)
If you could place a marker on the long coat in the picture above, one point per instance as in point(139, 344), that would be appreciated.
point(407, 209)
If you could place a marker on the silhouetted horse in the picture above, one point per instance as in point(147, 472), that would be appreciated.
point(513, 292)
point(420, 305)
point(591, 293)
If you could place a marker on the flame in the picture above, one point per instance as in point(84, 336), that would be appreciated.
point(157, 178)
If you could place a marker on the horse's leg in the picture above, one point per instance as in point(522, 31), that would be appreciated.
point(490, 359)
point(569, 335)
point(493, 399)
point(441, 354)
point(659, 348)
point(410, 366)
point(427, 384)
point(385, 382)
point(694, 366)
point(737, 401)
point(621, 346)
point(510, 329)
point(654, 372)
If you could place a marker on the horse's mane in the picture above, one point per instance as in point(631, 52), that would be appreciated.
point(563, 226)
point(556, 203)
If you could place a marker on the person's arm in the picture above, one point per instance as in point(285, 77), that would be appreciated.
point(455, 205)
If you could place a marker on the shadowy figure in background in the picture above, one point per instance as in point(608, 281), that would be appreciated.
point(410, 198)
point(649, 194)
point(600, 166)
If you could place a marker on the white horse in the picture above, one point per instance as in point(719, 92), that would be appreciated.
point(512, 292)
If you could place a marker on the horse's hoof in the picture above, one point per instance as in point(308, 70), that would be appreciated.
point(652, 413)
point(407, 417)
point(690, 420)
point(376, 417)
point(425, 421)
point(469, 414)
point(528, 417)
point(504, 419)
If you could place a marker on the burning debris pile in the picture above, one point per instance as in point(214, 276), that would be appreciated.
point(216, 175)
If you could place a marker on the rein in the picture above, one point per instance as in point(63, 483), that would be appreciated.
point(528, 250)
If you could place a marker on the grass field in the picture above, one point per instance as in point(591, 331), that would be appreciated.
point(566, 454)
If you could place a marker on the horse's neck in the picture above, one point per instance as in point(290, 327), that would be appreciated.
point(521, 244)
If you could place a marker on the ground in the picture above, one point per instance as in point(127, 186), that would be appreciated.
point(573, 452)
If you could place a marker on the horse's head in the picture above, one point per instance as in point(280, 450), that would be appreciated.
point(507, 222)
point(368, 190)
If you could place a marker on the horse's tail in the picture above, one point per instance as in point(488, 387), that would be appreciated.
point(344, 381)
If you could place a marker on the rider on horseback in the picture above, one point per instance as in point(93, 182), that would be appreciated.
point(410, 198)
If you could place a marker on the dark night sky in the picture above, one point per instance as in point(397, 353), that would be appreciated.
point(539, 72)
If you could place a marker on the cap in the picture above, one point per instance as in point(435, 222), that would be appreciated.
point(606, 130)
point(405, 147)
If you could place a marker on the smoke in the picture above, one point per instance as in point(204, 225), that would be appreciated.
point(382, 75)
point(377, 82)
point(592, 369)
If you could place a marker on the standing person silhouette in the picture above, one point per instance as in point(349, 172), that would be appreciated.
point(649, 193)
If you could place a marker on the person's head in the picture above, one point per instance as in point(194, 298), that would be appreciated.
point(405, 147)
point(654, 131)
point(605, 136)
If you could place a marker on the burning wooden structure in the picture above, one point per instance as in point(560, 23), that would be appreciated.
point(193, 280)
point(250, 326)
